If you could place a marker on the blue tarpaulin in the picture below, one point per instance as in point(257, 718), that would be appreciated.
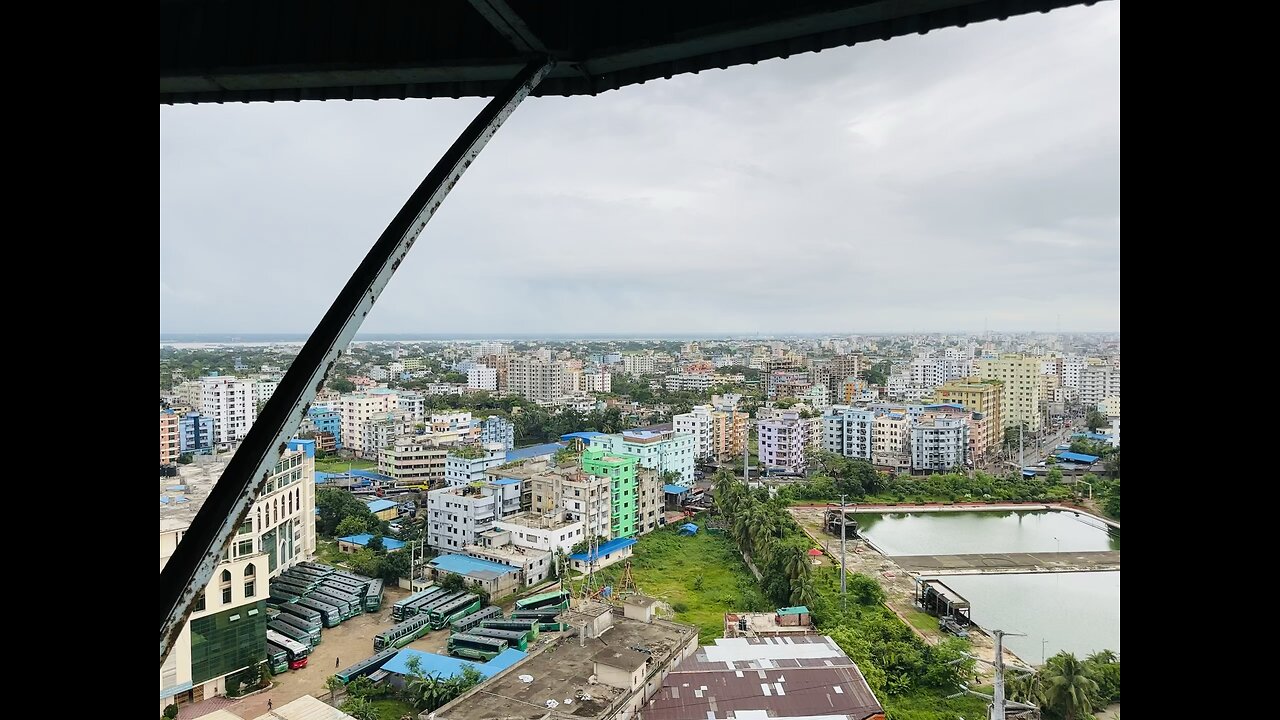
point(689, 528)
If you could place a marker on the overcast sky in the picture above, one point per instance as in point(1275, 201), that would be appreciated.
point(928, 183)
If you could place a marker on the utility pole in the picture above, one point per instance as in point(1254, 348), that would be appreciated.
point(1021, 459)
point(998, 706)
point(842, 570)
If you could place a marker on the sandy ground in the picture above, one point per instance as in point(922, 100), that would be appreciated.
point(339, 647)
point(899, 588)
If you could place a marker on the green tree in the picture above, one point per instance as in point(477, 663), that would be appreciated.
point(185, 459)
point(1095, 420)
point(1068, 687)
point(375, 543)
point(453, 377)
point(452, 582)
point(864, 589)
point(393, 566)
point(351, 525)
point(171, 711)
point(342, 385)
point(803, 592)
point(360, 709)
point(335, 505)
point(1055, 476)
point(333, 684)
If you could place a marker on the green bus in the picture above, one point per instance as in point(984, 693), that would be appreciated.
point(401, 609)
point(522, 624)
point(547, 619)
point(474, 647)
point(435, 602)
point(373, 596)
point(307, 614)
point(316, 566)
point(313, 629)
point(558, 600)
point(287, 586)
point(461, 625)
point(291, 632)
point(367, 666)
point(343, 586)
point(330, 615)
point(402, 633)
point(442, 615)
point(342, 603)
point(277, 658)
point(514, 638)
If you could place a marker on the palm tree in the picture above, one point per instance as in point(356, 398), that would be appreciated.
point(796, 562)
point(803, 592)
point(1068, 686)
point(333, 684)
point(1103, 657)
point(1028, 688)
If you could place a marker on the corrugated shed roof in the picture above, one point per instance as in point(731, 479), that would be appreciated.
point(379, 505)
point(446, 666)
point(363, 539)
point(465, 565)
point(305, 708)
point(534, 451)
point(612, 546)
point(1079, 457)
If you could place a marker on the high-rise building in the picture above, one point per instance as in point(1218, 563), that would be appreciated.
point(848, 431)
point(662, 451)
point(226, 632)
point(976, 395)
point(624, 496)
point(168, 437)
point(536, 379)
point(784, 440)
point(229, 402)
point(357, 409)
point(497, 430)
point(196, 434)
point(1023, 389)
point(939, 442)
point(482, 377)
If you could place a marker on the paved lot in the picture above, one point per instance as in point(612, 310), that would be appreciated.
point(342, 646)
point(1013, 562)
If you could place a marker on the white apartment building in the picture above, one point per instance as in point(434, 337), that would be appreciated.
point(383, 430)
point(662, 451)
point(467, 464)
point(1072, 367)
point(699, 382)
point(848, 431)
point(189, 394)
point(413, 403)
point(229, 401)
point(939, 443)
point(494, 429)
point(263, 389)
point(482, 377)
point(698, 423)
point(536, 379)
point(1098, 382)
point(897, 384)
point(547, 532)
point(643, 364)
point(456, 515)
point(597, 381)
point(357, 410)
point(227, 630)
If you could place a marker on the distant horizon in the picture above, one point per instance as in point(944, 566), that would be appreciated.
point(295, 337)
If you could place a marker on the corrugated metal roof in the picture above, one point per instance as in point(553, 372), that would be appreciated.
point(797, 610)
point(305, 708)
point(1079, 457)
point(612, 546)
point(466, 565)
point(363, 539)
point(379, 505)
point(534, 451)
point(446, 666)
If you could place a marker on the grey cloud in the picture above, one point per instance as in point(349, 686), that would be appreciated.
point(927, 183)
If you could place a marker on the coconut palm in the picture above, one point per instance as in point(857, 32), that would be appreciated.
point(796, 561)
point(803, 592)
point(1104, 657)
point(1068, 686)
point(1028, 688)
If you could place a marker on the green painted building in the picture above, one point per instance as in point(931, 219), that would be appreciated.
point(620, 468)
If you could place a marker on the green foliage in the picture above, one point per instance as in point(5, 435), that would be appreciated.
point(1054, 476)
point(428, 692)
point(351, 525)
point(364, 561)
point(864, 589)
point(452, 582)
point(1095, 420)
point(393, 566)
point(336, 505)
point(878, 374)
point(185, 459)
point(835, 475)
point(363, 687)
point(453, 377)
point(171, 711)
point(375, 543)
point(333, 684)
point(342, 385)
point(360, 708)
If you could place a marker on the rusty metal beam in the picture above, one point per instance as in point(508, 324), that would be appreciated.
point(228, 505)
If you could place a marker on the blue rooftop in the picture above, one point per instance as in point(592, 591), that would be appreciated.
point(534, 451)
point(377, 506)
point(583, 435)
point(608, 548)
point(363, 539)
point(674, 489)
point(957, 406)
point(1092, 436)
point(372, 475)
point(1028, 472)
point(506, 481)
point(1079, 457)
point(447, 667)
point(323, 477)
point(465, 565)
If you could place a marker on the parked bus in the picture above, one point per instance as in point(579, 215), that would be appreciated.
point(373, 596)
point(547, 621)
point(342, 603)
point(277, 659)
point(367, 666)
point(397, 610)
point(291, 632)
point(344, 586)
point(308, 572)
point(298, 652)
point(312, 629)
point(522, 624)
point(462, 625)
point(316, 566)
point(329, 614)
point(517, 639)
point(422, 607)
point(402, 633)
point(282, 586)
point(558, 600)
point(307, 614)
point(352, 578)
point(444, 614)
point(475, 647)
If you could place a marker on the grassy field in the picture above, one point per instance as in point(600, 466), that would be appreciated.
point(327, 552)
point(392, 709)
point(702, 577)
point(338, 465)
point(922, 621)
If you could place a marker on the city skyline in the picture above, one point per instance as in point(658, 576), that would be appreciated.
point(959, 179)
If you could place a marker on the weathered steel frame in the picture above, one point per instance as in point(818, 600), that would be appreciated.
point(228, 505)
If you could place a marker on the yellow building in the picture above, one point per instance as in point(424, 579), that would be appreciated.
point(977, 395)
point(1023, 388)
